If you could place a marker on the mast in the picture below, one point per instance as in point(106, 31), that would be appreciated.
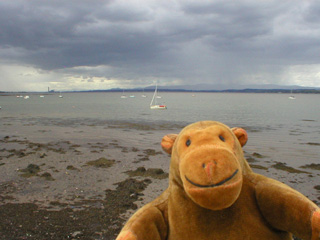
point(154, 95)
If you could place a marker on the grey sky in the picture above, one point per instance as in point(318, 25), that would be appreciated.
point(80, 44)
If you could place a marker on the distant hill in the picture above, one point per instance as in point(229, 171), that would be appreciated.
point(272, 88)
point(223, 87)
point(254, 88)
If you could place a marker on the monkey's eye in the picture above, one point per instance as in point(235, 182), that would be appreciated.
point(222, 138)
point(188, 142)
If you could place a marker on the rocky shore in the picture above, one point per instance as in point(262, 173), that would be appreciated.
point(67, 182)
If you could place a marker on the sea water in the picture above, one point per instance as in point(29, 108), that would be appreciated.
point(284, 129)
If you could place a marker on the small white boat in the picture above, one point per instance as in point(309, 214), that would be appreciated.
point(123, 95)
point(143, 95)
point(132, 96)
point(153, 103)
point(60, 96)
point(292, 97)
point(41, 96)
point(26, 97)
point(161, 107)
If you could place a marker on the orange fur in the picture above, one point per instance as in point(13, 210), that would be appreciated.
point(214, 194)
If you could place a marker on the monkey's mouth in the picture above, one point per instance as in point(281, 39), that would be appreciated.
point(215, 184)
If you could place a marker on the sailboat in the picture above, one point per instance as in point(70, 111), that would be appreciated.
point(143, 95)
point(292, 97)
point(123, 95)
point(153, 103)
point(60, 96)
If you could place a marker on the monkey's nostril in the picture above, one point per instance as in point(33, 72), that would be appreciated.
point(204, 165)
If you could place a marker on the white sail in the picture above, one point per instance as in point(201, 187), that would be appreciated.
point(153, 103)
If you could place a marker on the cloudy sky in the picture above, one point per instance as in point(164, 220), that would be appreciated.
point(96, 44)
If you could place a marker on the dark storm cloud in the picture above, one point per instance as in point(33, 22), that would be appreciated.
point(59, 34)
point(202, 40)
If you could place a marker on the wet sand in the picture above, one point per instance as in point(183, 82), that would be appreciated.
point(75, 180)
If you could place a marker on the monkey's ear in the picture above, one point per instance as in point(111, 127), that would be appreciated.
point(241, 134)
point(167, 142)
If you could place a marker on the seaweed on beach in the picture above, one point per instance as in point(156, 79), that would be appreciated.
point(98, 220)
point(251, 158)
point(30, 171)
point(257, 155)
point(157, 173)
point(70, 167)
point(313, 144)
point(284, 167)
point(313, 166)
point(258, 167)
point(47, 176)
point(101, 162)
point(151, 152)
point(32, 147)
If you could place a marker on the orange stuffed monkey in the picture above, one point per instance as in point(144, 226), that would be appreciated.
point(214, 194)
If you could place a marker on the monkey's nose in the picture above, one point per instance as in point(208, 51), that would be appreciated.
point(209, 168)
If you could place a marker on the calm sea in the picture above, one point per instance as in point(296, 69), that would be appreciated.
point(284, 130)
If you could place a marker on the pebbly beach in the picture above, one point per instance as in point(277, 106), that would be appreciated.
point(59, 182)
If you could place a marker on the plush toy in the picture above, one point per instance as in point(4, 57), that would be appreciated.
point(214, 194)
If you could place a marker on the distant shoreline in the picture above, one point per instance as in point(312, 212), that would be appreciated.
point(249, 90)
